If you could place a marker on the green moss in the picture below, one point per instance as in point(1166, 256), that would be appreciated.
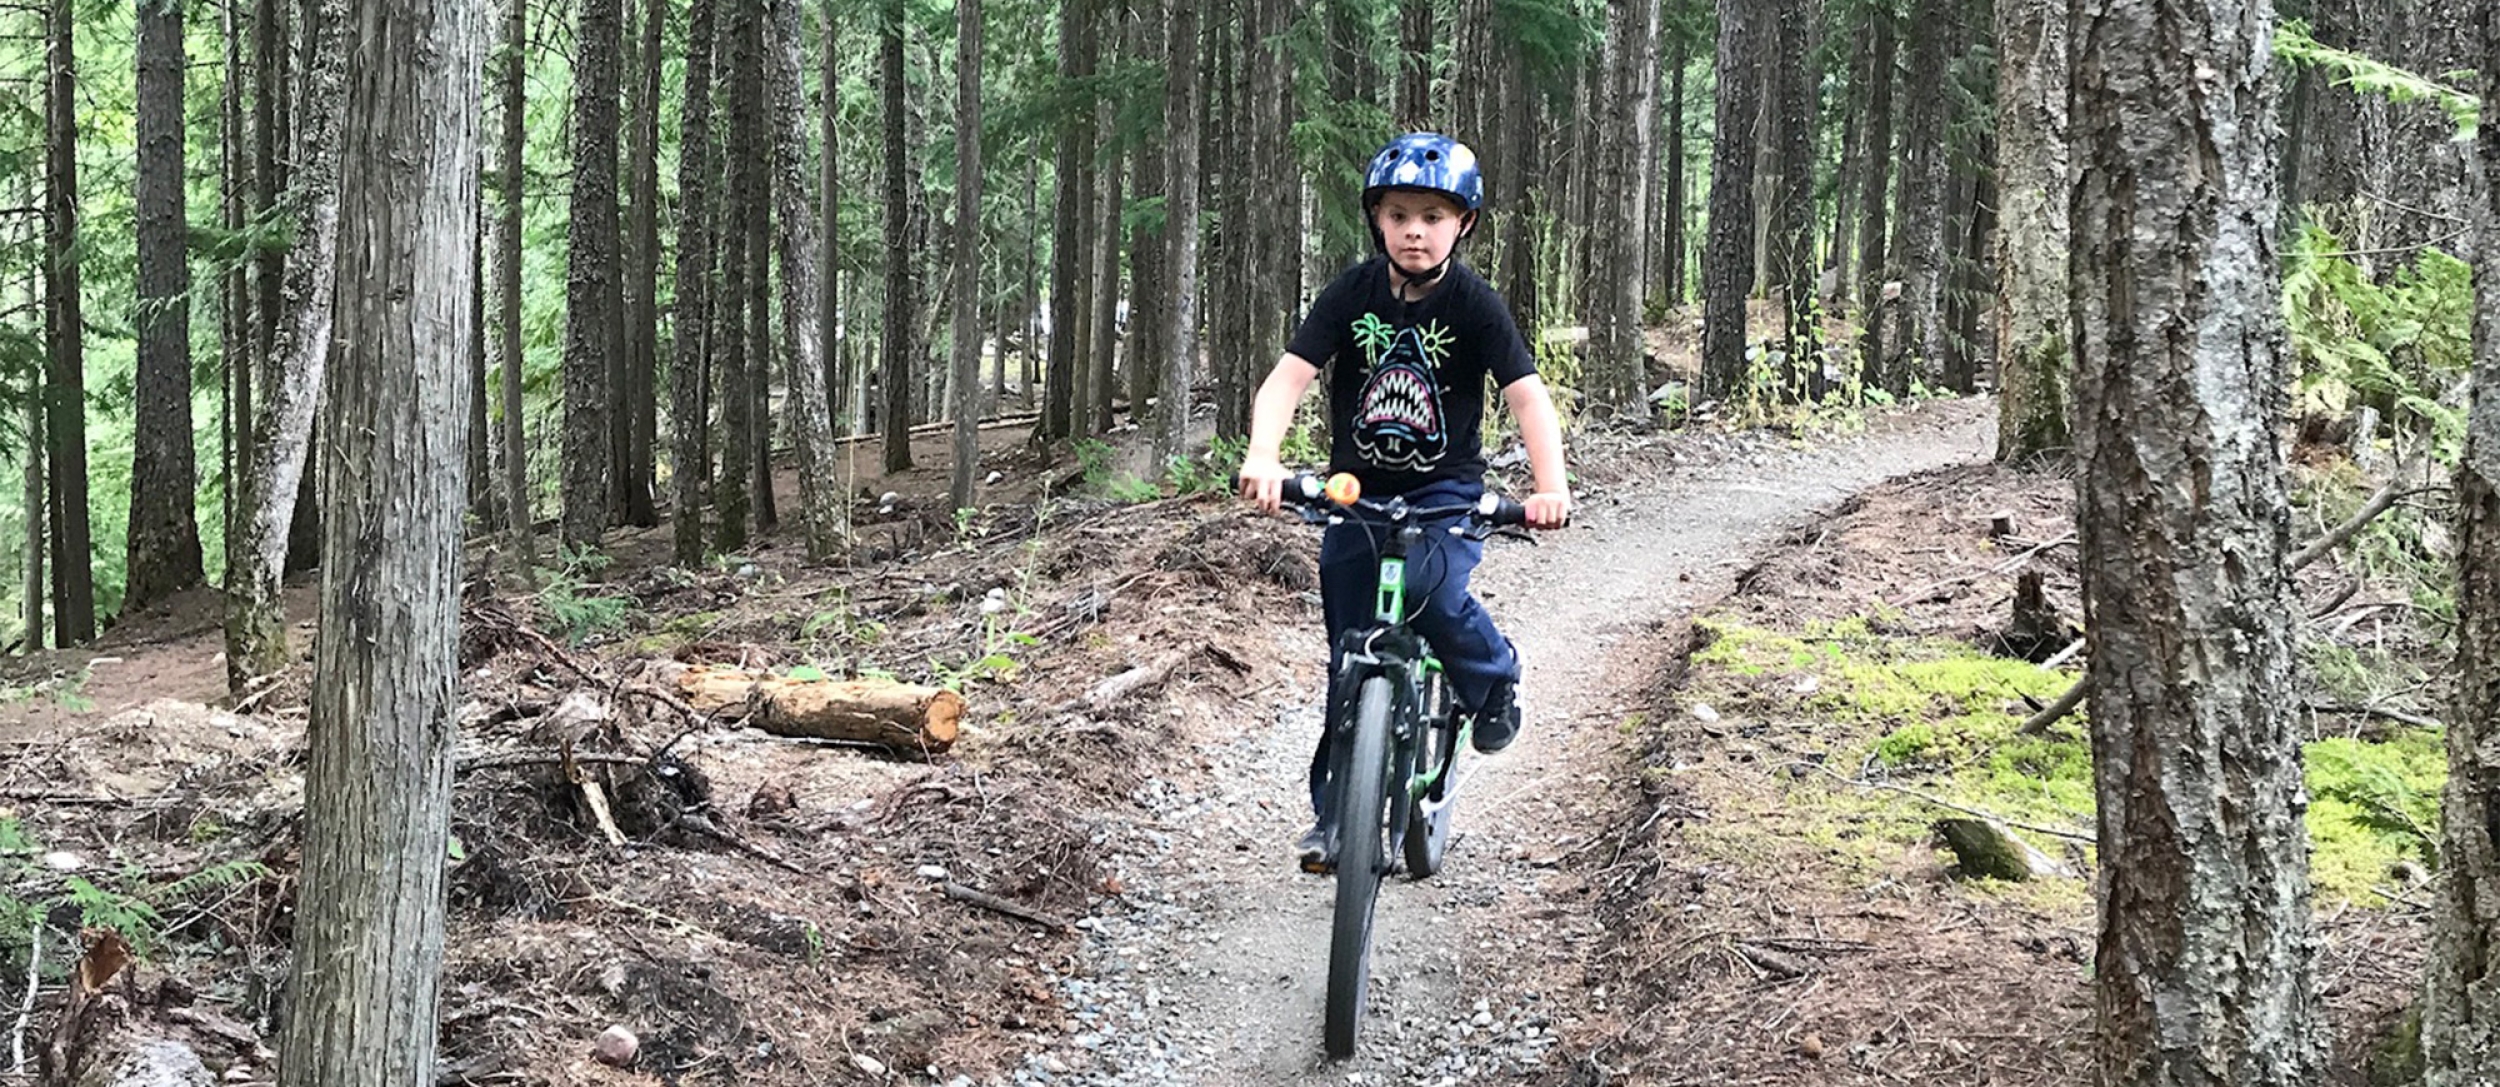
point(2372, 805)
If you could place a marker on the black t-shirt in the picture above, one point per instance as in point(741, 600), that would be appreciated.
point(1406, 380)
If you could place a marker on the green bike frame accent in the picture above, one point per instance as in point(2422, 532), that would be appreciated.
point(1392, 609)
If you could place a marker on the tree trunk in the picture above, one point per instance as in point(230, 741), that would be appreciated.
point(1415, 65)
point(164, 533)
point(1839, 262)
point(1919, 250)
point(234, 319)
point(824, 506)
point(73, 579)
point(1149, 292)
point(901, 308)
point(269, 182)
point(1619, 376)
point(481, 436)
point(1727, 269)
point(695, 168)
point(1874, 202)
point(516, 480)
point(2345, 158)
point(756, 114)
point(642, 282)
point(1799, 114)
point(33, 498)
point(591, 293)
point(377, 781)
point(968, 253)
point(2429, 190)
point(2204, 973)
point(1671, 248)
point(1180, 187)
point(1069, 213)
point(2034, 369)
point(255, 624)
point(1103, 376)
point(2461, 1005)
point(829, 212)
point(733, 491)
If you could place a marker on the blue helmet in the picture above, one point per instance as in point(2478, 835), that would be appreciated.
point(1426, 162)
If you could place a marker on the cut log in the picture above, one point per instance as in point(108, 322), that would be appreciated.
point(1986, 849)
point(901, 717)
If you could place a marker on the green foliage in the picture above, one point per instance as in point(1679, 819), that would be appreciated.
point(2367, 75)
point(2401, 345)
point(2372, 805)
point(571, 599)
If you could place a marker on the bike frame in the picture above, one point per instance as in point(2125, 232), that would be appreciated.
point(1391, 648)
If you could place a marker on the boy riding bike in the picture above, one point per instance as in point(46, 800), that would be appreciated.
point(1413, 333)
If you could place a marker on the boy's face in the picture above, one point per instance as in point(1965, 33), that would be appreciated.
point(1419, 228)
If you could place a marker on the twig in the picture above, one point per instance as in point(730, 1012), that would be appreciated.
point(697, 821)
point(2038, 724)
point(509, 760)
point(995, 904)
point(26, 1007)
point(2058, 659)
point(1949, 805)
point(2398, 716)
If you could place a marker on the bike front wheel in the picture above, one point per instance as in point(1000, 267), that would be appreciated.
point(1362, 809)
point(1428, 814)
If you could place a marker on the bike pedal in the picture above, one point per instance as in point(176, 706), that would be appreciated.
point(1320, 867)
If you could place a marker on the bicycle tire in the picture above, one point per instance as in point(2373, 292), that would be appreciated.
point(1361, 807)
point(1428, 816)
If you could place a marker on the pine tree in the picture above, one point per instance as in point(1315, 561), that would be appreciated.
point(164, 536)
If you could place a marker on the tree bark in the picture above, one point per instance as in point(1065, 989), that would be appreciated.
point(1149, 292)
point(1671, 261)
point(1727, 269)
point(968, 253)
point(65, 390)
point(2461, 1003)
point(1619, 374)
point(164, 533)
point(733, 363)
point(2430, 186)
point(1072, 202)
point(1875, 201)
point(829, 202)
point(2204, 973)
point(481, 441)
point(255, 624)
point(2034, 370)
point(234, 319)
point(756, 115)
point(33, 498)
point(1103, 369)
point(1839, 262)
point(1180, 187)
point(516, 481)
point(642, 283)
point(377, 782)
point(2345, 156)
point(591, 293)
point(1415, 65)
point(824, 505)
point(1799, 115)
point(903, 718)
point(901, 307)
point(695, 161)
point(1918, 250)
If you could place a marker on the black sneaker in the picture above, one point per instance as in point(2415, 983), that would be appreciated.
point(1317, 850)
point(1497, 724)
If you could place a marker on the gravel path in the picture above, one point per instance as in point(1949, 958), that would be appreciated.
point(1210, 969)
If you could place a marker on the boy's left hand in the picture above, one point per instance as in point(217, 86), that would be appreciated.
point(1549, 509)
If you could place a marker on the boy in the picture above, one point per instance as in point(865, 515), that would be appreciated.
point(1412, 334)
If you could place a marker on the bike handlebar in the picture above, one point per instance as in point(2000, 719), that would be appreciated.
point(1310, 491)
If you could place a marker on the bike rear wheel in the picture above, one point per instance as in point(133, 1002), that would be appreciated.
point(1361, 813)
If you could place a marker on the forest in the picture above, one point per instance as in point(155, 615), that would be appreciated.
point(427, 384)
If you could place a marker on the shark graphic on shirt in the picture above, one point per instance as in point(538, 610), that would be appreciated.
point(1398, 419)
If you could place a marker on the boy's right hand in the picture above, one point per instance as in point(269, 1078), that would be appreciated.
point(1263, 482)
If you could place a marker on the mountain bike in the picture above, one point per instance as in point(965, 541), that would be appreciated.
point(1395, 735)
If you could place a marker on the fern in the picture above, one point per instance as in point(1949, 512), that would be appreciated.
point(128, 915)
point(217, 878)
point(2368, 75)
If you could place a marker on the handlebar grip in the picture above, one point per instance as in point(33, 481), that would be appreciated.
point(1301, 489)
point(1501, 512)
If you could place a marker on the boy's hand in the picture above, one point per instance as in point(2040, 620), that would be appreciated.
point(1549, 509)
point(1263, 482)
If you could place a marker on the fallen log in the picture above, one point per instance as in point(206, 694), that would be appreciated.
point(901, 717)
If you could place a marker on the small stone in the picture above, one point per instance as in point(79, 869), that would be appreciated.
point(934, 872)
point(870, 1066)
point(64, 861)
point(616, 1046)
point(1810, 1047)
point(1703, 713)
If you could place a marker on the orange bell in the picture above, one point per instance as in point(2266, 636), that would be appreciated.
point(1343, 489)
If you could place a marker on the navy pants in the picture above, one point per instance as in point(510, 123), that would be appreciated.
point(1474, 655)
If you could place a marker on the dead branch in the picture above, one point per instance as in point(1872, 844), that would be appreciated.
point(995, 904)
point(513, 759)
point(697, 822)
point(26, 1007)
point(2399, 716)
point(2379, 503)
point(1109, 691)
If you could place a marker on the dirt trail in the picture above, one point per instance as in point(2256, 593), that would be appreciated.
point(1210, 967)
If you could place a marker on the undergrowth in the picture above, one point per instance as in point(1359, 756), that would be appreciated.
point(1944, 719)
